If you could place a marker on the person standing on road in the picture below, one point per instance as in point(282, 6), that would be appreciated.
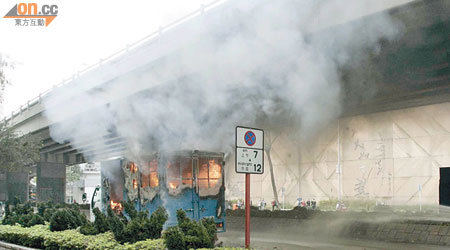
point(299, 201)
point(275, 205)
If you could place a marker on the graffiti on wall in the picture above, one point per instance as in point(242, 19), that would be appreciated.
point(361, 183)
point(378, 167)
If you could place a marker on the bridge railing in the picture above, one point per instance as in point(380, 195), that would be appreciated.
point(152, 36)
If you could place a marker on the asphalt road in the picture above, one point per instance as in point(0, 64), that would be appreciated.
point(273, 240)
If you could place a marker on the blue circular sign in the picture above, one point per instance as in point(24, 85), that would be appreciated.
point(250, 138)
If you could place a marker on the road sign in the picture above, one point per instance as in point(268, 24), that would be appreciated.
point(249, 160)
point(249, 150)
point(249, 138)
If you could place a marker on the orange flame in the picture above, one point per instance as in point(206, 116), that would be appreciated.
point(174, 184)
point(133, 167)
point(215, 173)
point(149, 177)
point(135, 184)
point(203, 176)
point(116, 206)
point(154, 182)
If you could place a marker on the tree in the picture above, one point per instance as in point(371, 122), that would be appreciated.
point(73, 173)
point(17, 152)
point(3, 80)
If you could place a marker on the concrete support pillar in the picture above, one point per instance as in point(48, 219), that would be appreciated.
point(17, 185)
point(3, 187)
point(51, 182)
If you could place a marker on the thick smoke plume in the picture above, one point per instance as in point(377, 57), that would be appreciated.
point(266, 64)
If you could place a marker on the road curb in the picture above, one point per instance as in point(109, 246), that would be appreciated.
point(4, 245)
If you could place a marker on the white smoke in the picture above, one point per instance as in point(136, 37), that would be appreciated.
point(256, 63)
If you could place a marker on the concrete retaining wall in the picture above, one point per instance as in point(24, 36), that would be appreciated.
point(432, 233)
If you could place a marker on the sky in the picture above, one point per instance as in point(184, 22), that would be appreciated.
point(82, 33)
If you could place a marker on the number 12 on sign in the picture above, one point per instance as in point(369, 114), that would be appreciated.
point(249, 160)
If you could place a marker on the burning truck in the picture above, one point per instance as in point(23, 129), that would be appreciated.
point(189, 180)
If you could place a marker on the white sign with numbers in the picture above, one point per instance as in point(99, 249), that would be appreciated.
point(249, 150)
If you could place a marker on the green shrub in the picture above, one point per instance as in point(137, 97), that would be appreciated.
point(88, 229)
point(211, 228)
point(174, 239)
point(129, 209)
point(66, 219)
point(15, 201)
point(134, 232)
point(139, 227)
point(60, 221)
point(21, 209)
point(30, 219)
point(30, 237)
point(198, 237)
point(156, 223)
point(41, 237)
point(296, 213)
point(193, 234)
point(10, 219)
point(222, 248)
point(59, 205)
point(118, 228)
point(7, 210)
point(359, 204)
point(22, 214)
point(328, 204)
point(41, 208)
point(78, 219)
point(100, 222)
point(144, 245)
point(103, 241)
point(48, 213)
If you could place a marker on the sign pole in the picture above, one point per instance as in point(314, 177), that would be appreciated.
point(247, 211)
point(249, 160)
point(420, 198)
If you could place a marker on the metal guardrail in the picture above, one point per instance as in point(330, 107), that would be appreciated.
point(155, 35)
